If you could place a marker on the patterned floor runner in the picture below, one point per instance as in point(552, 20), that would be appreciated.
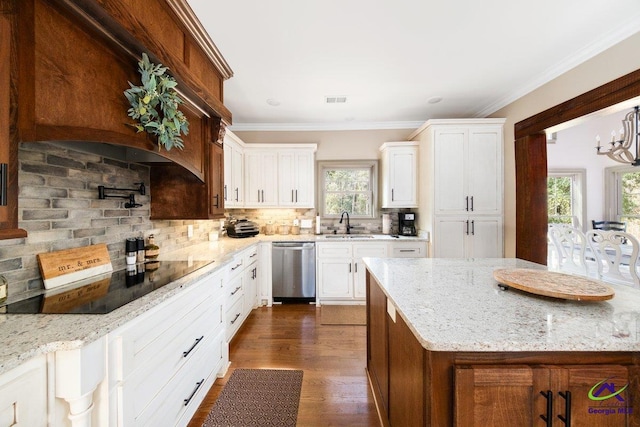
point(258, 397)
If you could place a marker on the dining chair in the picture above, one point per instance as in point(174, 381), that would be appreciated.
point(616, 253)
point(571, 250)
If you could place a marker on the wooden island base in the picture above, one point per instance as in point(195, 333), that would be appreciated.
point(414, 386)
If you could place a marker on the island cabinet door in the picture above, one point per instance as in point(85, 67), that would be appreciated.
point(577, 396)
point(500, 396)
point(595, 395)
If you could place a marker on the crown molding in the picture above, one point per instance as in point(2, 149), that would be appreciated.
point(189, 19)
point(616, 36)
point(239, 127)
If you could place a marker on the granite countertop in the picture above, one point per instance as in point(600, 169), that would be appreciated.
point(456, 305)
point(24, 336)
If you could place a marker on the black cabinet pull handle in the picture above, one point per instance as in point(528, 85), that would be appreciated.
point(408, 250)
point(467, 227)
point(548, 418)
point(292, 197)
point(4, 179)
point(349, 267)
point(225, 192)
point(193, 393)
point(237, 196)
point(296, 196)
point(186, 353)
point(262, 196)
point(235, 318)
point(356, 264)
point(473, 227)
point(236, 290)
point(472, 203)
point(392, 196)
point(567, 408)
point(252, 255)
point(466, 203)
point(238, 265)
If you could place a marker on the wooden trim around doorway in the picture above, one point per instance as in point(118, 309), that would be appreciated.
point(531, 159)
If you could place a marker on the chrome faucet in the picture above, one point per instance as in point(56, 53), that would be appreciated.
point(342, 217)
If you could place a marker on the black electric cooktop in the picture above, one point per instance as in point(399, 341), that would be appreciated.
point(106, 292)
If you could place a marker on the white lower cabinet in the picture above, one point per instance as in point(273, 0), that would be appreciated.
point(241, 289)
point(162, 364)
point(23, 394)
point(340, 270)
point(468, 237)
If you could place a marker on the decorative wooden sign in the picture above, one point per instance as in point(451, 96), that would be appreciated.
point(66, 301)
point(553, 284)
point(70, 265)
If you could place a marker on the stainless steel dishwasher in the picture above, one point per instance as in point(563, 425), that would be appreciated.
point(294, 272)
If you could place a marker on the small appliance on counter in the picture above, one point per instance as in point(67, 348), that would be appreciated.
point(407, 224)
point(240, 228)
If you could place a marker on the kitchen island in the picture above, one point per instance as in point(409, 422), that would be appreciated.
point(446, 346)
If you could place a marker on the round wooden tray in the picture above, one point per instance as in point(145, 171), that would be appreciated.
point(553, 284)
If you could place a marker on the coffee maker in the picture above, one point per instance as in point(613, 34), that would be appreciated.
point(407, 224)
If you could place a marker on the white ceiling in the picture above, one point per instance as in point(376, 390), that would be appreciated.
point(390, 57)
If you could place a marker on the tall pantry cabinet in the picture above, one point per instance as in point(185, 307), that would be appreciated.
point(461, 186)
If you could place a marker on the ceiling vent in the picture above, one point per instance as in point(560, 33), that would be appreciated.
point(335, 99)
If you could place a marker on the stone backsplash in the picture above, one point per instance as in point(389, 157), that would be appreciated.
point(59, 207)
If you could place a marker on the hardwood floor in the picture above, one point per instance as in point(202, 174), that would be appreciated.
point(335, 390)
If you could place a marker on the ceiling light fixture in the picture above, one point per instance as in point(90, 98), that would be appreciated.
point(619, 149)
point(434, 99)
point(273, 102)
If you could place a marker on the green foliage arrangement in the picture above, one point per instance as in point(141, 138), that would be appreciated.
point(155, 105)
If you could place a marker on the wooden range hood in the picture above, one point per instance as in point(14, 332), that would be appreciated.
point(72, 60)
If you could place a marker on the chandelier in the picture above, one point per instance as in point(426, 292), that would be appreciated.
point(619, 149)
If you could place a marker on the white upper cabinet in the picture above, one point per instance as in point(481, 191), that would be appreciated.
point(279, 175)
point(399, 170)
point(261, 178)
point(295, 178)
point(468, 170)
point(233, 171)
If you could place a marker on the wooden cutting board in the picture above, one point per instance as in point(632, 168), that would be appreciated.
point(70, 265)
point(553, 284)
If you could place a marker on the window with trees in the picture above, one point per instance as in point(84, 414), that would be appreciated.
point(348, 186)
point(628, 186)
point(566, 197)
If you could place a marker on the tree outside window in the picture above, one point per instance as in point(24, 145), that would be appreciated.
point(630, 189)
point(347, 187)
point(559, 200)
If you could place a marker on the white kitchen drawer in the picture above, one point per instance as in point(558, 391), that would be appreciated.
point(233, 290)
point(191, 384)
point(236, 266)
point(145, 382)
point(330, 249)
point(376, 250)
point(249, 256)
point(144, 340)
point(408, 250)
point(234, 318)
